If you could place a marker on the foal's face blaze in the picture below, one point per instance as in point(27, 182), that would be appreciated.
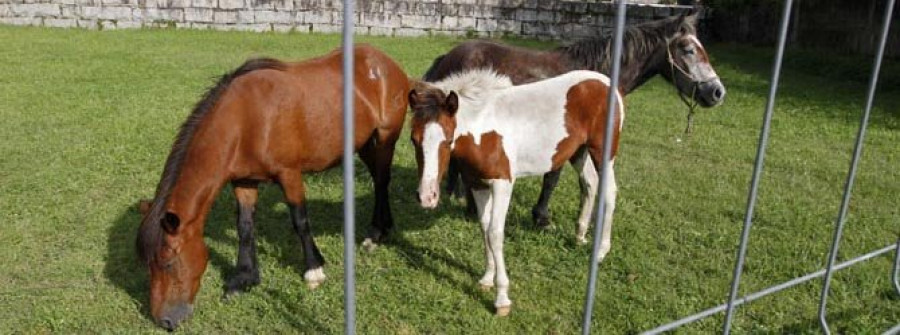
point(175, 274)
point(432, 136)
point(693, 74)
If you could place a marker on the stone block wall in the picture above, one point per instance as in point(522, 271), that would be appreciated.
point(482, 18)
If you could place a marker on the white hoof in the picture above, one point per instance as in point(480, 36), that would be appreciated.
point(581, 240)
point(504, 310)
point(369, 245)
point(314, 277)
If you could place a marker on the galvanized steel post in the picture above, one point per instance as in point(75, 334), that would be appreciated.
point(857, 152)
point(611, 104)
point(757, 168)
point(349, 194)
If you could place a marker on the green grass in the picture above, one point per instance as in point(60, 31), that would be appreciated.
point(88, 118)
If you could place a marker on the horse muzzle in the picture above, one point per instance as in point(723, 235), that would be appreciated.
point(171, 316)
point(429, 194)
point(711, 93)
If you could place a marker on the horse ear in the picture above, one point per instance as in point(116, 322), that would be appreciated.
point(170, 222)
point(452, 102)
point(144, 206)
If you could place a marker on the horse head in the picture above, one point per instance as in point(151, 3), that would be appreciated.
point(433, 124)
point(689, 67)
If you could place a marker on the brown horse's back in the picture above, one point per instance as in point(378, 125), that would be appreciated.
point(290, 118)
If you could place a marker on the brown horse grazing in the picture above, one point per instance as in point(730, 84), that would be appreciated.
point(667, 47)
point(498, 132)
point(266, 121)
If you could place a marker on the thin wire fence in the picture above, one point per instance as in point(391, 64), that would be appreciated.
point(733, 301)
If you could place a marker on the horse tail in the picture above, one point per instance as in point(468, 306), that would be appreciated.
point(150, 234)
point(431, 74)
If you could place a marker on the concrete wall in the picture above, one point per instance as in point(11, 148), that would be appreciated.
point(527, 18)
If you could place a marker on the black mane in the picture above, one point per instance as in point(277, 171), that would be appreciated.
point(150, 233)
point(639, 43)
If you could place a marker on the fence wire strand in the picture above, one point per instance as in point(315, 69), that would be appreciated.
point(767, 291)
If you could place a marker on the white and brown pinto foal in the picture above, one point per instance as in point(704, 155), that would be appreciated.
point(500, 132)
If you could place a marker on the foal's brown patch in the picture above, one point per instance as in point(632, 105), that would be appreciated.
point(586, 122)
point(486, 160)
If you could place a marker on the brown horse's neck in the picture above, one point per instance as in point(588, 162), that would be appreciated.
point(196, 189)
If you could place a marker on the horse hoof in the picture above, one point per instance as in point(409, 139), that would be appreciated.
point(485, 287)
point(369, 245)
point(503, 310)
point(314, 278)
point(581, 240)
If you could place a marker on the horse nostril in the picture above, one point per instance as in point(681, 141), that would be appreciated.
point(719, 93)
point(167, 324)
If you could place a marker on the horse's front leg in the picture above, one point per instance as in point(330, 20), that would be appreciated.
point(501, 192)
point(483, 202)
point(247, 263)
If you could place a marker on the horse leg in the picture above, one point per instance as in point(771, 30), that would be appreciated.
point(540, 213)
point(454, 185)
point(501, 192)
point(609, 202)
point(378, 155)
point(483, 204)
point(589, 182)
point(247, 263)
point(609, 199)
point(294, 192)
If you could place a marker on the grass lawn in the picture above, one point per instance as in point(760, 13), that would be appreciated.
point(88, 117)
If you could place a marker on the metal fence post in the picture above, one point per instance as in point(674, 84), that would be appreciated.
point(349, 196)
point(895, 276)
point(857, 152)
point(611, 104)
point(757, 169)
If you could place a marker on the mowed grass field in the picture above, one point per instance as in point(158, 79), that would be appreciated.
point(87, 119)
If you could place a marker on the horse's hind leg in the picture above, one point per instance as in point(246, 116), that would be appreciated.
point(378, 154)
point(609, 202)
point(589, 182)
point(294, 191)
point(540, 213)
point(247, 264)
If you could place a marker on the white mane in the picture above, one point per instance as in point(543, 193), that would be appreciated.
point(474, 86)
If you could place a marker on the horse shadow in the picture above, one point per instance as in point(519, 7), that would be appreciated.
point(273, 227)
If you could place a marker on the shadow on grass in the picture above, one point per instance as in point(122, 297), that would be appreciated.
point(125, 270)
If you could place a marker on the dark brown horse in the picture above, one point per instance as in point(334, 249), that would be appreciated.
point(667, 47)
point(266, 121)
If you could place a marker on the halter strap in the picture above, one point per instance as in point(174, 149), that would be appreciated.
point(690, 103)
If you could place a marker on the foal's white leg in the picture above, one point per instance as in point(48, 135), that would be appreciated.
point(589, 182)
point(609, 199)
point(483, 204)
point(501, 192)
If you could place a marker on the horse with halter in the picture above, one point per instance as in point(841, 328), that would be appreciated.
point(267, 120)
point(498, 132)
point(667, 47)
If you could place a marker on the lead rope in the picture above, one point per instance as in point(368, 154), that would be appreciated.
point(690, 103)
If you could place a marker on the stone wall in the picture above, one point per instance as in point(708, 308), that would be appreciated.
point(484, 18)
